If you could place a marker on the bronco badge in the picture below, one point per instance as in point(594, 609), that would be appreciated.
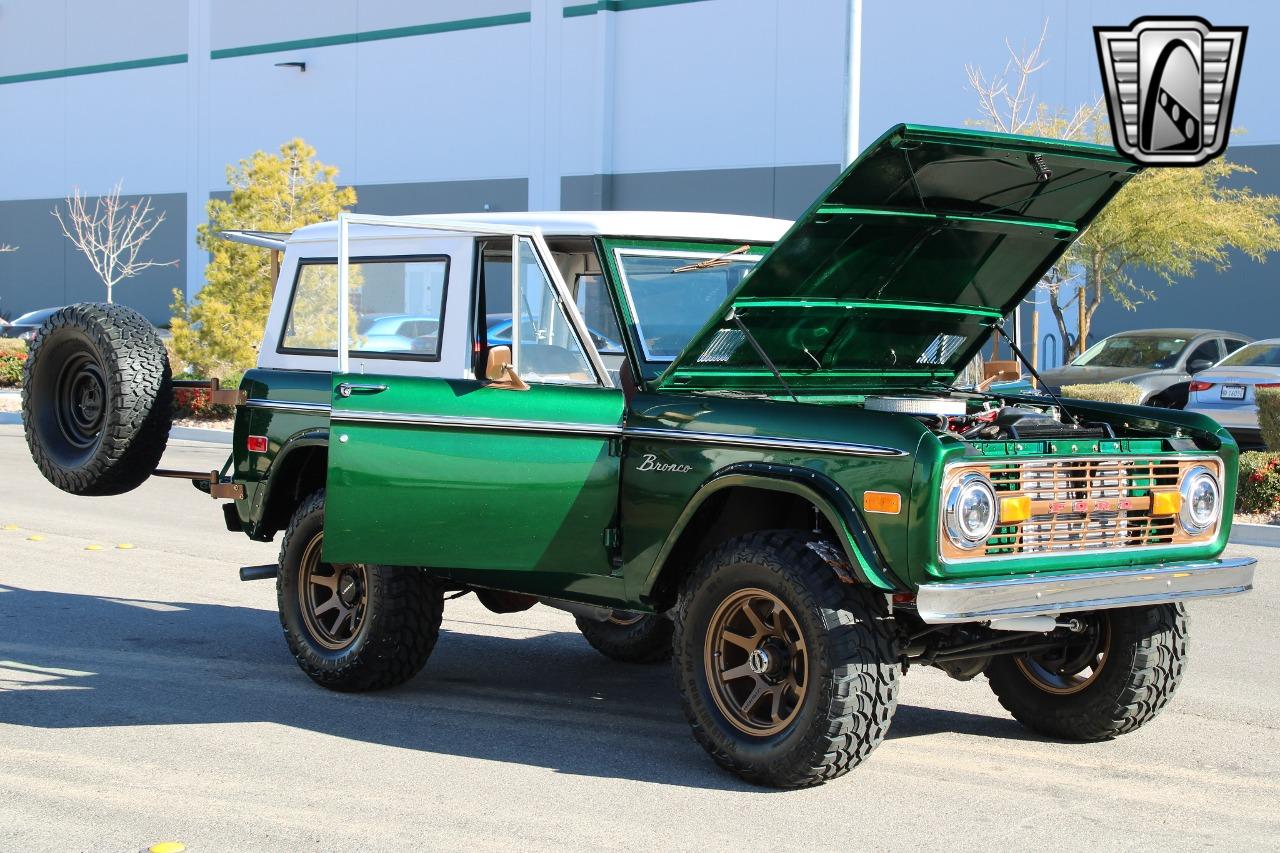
point(651, 463)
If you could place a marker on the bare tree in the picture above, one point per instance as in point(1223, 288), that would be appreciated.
point(111, 235)
point(1008, 102)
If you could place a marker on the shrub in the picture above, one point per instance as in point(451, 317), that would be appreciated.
point(11, 345)
point(1269, 417)
point(11, 368)
point(1259, 489)
point(196, 404)
point(1105, 392)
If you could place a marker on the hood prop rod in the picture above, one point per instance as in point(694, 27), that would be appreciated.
point(998, 326)
point(751, 339)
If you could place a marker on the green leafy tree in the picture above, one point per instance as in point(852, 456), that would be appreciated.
point(1168, 221)
point(217, 334)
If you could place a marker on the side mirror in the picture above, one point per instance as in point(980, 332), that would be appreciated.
point(1198, 364)
point(500, 372)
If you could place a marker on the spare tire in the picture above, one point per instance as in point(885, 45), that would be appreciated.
point(97, 399)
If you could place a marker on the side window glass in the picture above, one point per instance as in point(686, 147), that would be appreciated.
point(1232, 345)
point(396, 308)
point(548, 350)
point(593, 304)
point(1207, 351)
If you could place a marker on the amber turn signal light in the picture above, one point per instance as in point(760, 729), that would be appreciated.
point(1166, 503)
point(1015, 509)
point(889, 503)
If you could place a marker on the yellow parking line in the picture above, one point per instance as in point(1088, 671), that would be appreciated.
point(125, 546)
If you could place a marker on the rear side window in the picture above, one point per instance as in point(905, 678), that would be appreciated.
point(396, 307)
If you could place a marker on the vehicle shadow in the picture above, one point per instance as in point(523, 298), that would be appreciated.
point(547, 700)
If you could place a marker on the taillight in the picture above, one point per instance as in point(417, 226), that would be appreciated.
point(1197, 385)
point(1267, 385)
point(257, 444)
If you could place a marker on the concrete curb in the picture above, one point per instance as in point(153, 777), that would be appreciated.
point(208, 436)
point(1266, 535)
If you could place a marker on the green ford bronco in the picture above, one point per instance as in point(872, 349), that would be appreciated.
point(734, 442)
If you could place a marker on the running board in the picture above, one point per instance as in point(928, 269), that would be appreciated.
point(258, 573)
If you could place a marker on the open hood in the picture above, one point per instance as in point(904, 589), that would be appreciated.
point(896, 274)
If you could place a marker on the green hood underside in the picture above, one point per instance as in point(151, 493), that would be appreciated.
point(895, 276)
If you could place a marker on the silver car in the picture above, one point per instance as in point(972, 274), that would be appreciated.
point(1159, 361)
point(1226, 392)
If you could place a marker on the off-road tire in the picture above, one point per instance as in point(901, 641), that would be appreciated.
point(398, 631)
point(647, 640)
point(1146, 658)
point(852, 683)
point(114, 354)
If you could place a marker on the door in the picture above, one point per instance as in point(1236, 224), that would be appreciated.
point(515, 488)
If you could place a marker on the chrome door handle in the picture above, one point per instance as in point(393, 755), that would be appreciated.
point(346, 389)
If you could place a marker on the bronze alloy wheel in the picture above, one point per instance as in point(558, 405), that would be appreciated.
point(756, 662)
point(333, 599)
point(1073, 667)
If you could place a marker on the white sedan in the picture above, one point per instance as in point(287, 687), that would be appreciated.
point(1227, 392)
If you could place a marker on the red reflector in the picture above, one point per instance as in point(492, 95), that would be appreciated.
point(1197, 385)
point(257, 444)
point(903, 597)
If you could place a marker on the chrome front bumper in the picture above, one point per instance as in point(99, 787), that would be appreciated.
point(977, 601)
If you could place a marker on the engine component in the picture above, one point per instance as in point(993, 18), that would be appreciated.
point(917, 405)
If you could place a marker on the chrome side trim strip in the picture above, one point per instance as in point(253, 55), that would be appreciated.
point(977, 601)
point(765, 442)
point(287, 406)
point(499, 424)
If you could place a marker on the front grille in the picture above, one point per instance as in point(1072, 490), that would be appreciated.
point(1080, 504)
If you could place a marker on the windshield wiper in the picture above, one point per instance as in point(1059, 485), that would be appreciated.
point(720, 261)
point(755, 345)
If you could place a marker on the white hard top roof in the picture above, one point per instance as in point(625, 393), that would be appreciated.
point(590, 223)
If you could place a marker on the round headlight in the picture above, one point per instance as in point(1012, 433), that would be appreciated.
point(1201, 499)
point(971, 511)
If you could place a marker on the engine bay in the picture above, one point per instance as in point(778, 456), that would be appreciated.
point(988, 419)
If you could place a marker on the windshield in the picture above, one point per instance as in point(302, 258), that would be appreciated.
point(1254, 355)
point(1149, 351)
point(670, 307)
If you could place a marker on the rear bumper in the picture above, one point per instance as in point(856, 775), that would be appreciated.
point(976, 601)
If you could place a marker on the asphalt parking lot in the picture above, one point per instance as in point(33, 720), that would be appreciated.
point(146, 695)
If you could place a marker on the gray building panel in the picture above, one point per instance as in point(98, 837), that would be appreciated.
point(47, 270)
point(783, 191)
point(443, 196)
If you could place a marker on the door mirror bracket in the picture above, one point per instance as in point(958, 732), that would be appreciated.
point(500, 372)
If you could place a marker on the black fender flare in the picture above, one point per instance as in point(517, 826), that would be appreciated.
point(309, 437)
point(862, 561)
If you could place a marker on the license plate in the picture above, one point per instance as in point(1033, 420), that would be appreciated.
point(1233, 392)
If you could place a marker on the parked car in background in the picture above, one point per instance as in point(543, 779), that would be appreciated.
point(400, 333)
point(499, 334)
point(1227, 392)
point(1159, 361)
point(26, 325)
